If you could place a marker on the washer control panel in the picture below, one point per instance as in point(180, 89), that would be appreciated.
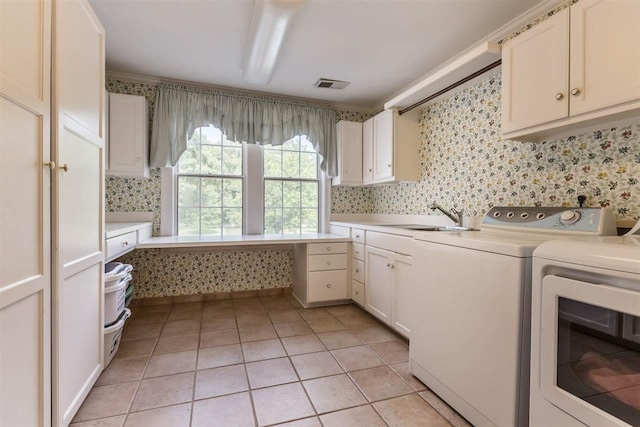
point(594, 221)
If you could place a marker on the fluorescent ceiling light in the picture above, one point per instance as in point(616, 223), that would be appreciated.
point(270, 23)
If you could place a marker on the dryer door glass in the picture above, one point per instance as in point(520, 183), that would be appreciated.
point(598, 357)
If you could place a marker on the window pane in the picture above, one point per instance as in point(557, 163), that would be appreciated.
point(291, 194)
point(211, 221)
point(232, 193)
point(190, 160)
point(211, 194)
point(188, 221)
point(188, 191)
point(211, 159)
point(308, 165)
point(291, 221)
point(309, 220)
point(211, 135)
point(273, 221)
point(309, 194)
point(232, 161)
point(272, 163)
point(290, 164)
point(232, 219)
point(272, 193)
point(292, 144)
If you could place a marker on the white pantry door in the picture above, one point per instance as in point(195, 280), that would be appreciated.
point(25, 212)
point(78, 141)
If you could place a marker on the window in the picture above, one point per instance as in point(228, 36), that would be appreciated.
point(210, 185)
point(291, 187)
point(221, 188)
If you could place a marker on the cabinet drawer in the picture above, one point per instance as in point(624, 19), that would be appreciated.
point(120, 244)
point(327, 262)
point(357, 251)
point(358, 236)
point(326, 248)
point(327, 285)
point(357, 292)
point(357, 270)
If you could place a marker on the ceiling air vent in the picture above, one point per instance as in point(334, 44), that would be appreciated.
point(331, 84)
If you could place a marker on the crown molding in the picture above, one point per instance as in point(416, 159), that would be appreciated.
point(151, 80)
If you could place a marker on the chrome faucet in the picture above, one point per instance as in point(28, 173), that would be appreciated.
point(454, 215)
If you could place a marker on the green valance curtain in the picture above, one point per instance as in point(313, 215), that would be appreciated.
point(179, 111)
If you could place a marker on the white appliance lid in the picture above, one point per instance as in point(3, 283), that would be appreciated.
point(613, 253)
point(519, 245)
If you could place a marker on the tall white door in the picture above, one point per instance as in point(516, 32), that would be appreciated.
point(367, 151)
point(78, 137)
point(25, 206)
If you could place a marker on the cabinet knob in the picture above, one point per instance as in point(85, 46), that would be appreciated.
point(328, 262)
point(137, 159)
point(328, 285)
point(575, 91)
point(357, 236)
point(51, 165)
point(370, 169)
point(388, 265)
point(65, 167)
point(328, 248)
point(125, 243)
point(393, 266)
point(559, 96)
point(389, 165)
point(344, 171)
point(357, 271)
point(357, 252)
point(357, 292)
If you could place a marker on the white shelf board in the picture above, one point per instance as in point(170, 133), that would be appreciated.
point(454, 70)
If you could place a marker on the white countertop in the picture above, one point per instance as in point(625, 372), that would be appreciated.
point(113, 229)
point(242, 240)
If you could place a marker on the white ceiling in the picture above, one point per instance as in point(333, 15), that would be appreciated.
point(380, 46)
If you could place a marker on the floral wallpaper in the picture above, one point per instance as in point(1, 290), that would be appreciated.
point(160, 272)
point(466, 164)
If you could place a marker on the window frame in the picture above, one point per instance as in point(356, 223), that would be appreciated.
point(253, 190)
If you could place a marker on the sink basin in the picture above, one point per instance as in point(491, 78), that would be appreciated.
point(423, 227)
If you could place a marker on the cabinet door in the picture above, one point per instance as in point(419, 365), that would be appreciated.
point(367, 151)
point(402, 279)
point(378, 283)
point(631, 328)
point(383, 145)
point(25, 213)
point(127, 135)
point(78, 136)
point(349, 135)
point(535, 70)
point(605, 63)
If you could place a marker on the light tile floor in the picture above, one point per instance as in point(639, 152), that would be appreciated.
point(260, 361)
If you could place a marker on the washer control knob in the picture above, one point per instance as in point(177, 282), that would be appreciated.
point(510, 214)
point(540, 215)
point(497, 214)
point(569, 217)
point(524, 215)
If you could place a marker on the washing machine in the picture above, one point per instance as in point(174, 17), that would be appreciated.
point(585, 354)
point(470, 339)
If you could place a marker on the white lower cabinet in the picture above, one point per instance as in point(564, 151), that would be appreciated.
point(388, 293)
point(320, 273)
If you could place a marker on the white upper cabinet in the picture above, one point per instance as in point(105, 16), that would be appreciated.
point(349, 136)
point(128, 135)
point(367, 151)
point(394, 155)
point(577, 70)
